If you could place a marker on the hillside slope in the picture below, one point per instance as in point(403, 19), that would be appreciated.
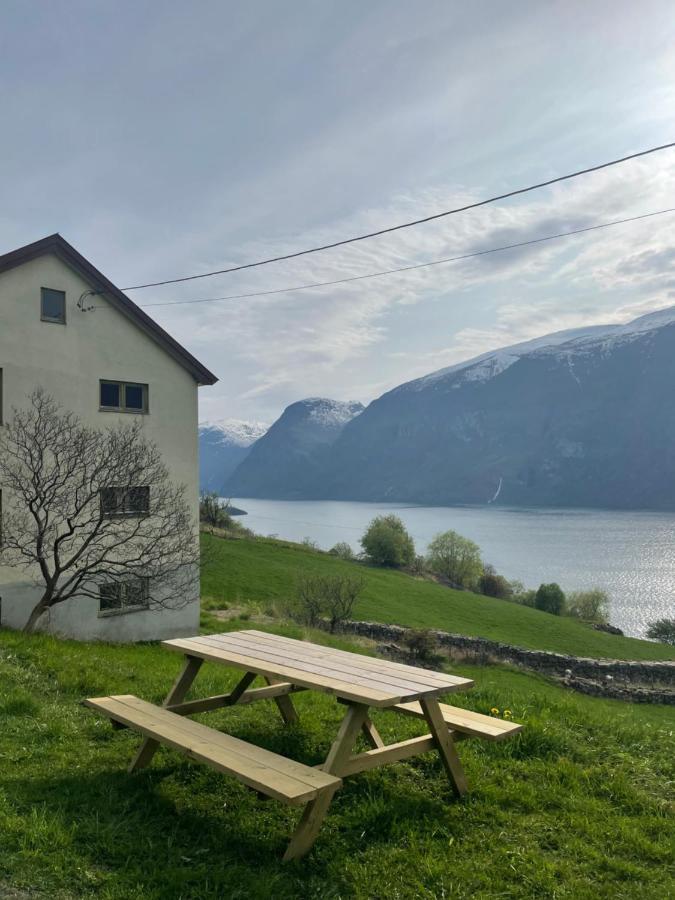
point(264, 572)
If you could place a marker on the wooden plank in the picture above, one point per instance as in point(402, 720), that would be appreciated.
point(219, 701)
point(466, 721)
point(260, 769)
point(327, 668)
point(178, 691)
point(350, 663)
point(444, 744)
point(371, 734)
point(315, 811)
point(383, 756)
point(415, 673)
point(287, 710)
point(358, 694)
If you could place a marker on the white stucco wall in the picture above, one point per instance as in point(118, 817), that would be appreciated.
point(68, 361)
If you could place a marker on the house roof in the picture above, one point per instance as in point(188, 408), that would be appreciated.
point(60, 247)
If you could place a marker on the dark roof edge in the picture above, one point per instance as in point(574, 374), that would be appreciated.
point(59, 246)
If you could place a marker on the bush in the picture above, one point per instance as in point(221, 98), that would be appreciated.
point(213, 512)
point(493, 585)
point(550, 598)
point(329, 596)
point(342, 550)
point(387, 543)
point(457, 558)
point(589, 606)
point(662, 630)
point(422, 646)
point(310, 544)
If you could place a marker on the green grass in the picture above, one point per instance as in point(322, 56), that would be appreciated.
point(264, 572)
point(578, 806)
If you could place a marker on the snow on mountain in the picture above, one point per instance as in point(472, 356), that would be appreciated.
point(560, 343)
point(331, 413)
point(235, 432)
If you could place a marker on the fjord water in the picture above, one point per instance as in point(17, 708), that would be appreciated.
point(629, 554)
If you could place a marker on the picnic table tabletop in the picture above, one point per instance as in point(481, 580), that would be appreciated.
point(350, 676)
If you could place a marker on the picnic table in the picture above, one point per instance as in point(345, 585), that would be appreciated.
point(289, 666)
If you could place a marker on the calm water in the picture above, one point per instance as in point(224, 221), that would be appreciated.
point(631, 555)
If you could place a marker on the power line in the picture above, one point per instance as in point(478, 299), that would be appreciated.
point(435, 262)
point(391, 228)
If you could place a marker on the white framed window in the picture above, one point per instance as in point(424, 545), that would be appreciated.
point(129, 595)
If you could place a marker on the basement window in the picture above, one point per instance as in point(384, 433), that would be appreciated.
point(125, 596)
point(53, 306)
point(125, 501)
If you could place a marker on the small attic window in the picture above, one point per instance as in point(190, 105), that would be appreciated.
point(53, 306)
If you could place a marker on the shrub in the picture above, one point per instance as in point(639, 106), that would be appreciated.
point(387, 543)
point(493, 585)
point(550, 598)
point(342, 550)
point(310, 544)
point(422, 646)
point(457, 558)
point(213, 512)
point(332, 596)
point(662, 630)
point(589, 606)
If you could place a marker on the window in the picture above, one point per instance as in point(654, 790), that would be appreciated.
point(123, 396)
point(53, 306)
point(124, 596)
point(124, 501)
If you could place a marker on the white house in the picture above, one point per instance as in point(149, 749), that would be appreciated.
point(104, 365)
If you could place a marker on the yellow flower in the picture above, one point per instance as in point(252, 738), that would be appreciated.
point(507, 713)
point(494, 711)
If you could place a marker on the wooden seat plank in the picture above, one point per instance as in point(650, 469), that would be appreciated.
point(260, 769)
point(466, 721)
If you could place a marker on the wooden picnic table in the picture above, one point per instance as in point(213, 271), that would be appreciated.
point(289, 666)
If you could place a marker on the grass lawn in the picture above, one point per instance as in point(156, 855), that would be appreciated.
point(263, 571)
point(578, 806)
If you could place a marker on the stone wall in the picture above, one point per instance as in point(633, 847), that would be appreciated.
point(651, 674)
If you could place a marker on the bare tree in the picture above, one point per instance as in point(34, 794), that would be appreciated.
point(90, 511)
point(332, 596)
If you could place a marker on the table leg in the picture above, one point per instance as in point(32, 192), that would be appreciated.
point(315, 811)
point(177, 693)
point(445, 744)
point(284, 704)
point(371, 734)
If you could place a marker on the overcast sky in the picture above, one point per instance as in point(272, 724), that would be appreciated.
point(168, 138)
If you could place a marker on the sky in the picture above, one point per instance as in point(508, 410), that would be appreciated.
point(166, 139)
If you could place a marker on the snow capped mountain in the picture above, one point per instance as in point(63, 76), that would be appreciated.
point(293, 448)
point(222, 446)
point(235, 432)
point(578, 418)
point(494, 362)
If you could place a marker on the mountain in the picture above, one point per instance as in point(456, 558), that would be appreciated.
point(293, 450)
point(222, 446)
point(576, 418)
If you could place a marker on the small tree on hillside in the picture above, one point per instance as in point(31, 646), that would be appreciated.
point(92, 513)
point(329, 596)
point(550, 598)
point(589, 606)
point(387, 543)
point(456, 558)
point(662, 630)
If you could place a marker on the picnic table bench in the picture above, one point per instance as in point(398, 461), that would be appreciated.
point(289, 666)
